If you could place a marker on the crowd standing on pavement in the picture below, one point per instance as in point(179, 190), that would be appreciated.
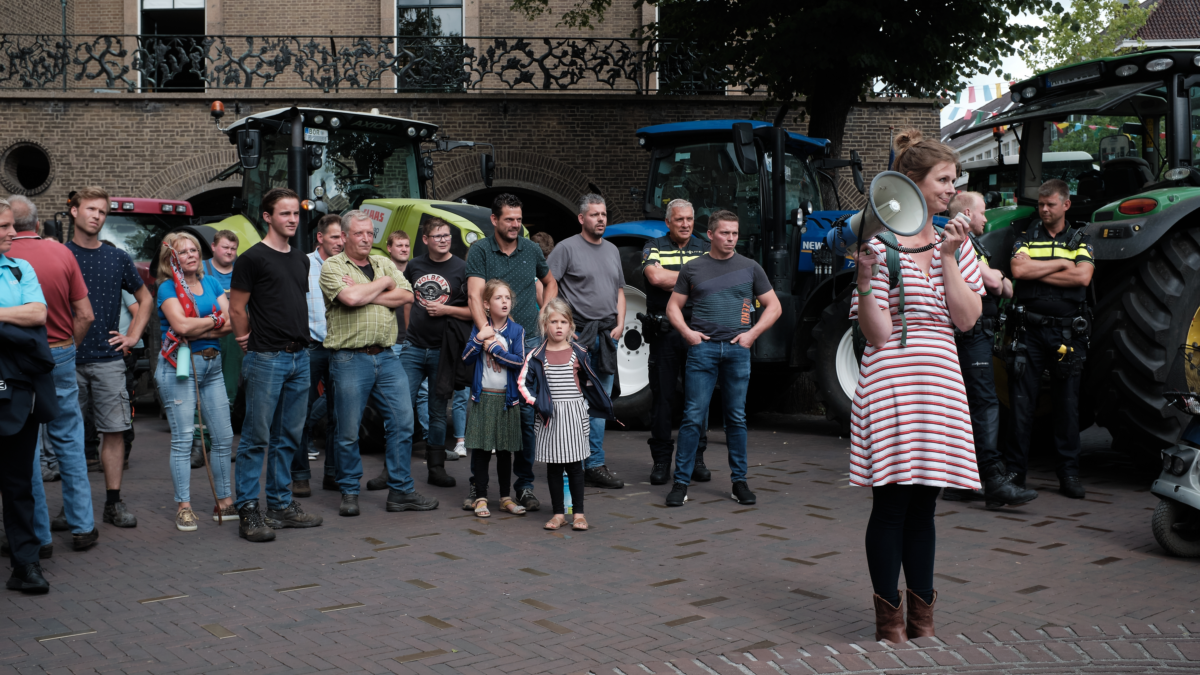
point(521, 336)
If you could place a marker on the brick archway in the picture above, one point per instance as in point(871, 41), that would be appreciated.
point(529, 170)
point(189, 177)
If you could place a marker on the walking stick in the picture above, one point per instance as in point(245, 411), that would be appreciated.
point(204, 451)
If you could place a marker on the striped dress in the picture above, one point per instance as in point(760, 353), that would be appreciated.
point(565, 438)
point(910, 422)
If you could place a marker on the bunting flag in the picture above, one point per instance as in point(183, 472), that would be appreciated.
point(987, 93)
point(971, 95)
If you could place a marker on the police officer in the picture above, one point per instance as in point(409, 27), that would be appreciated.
point(1052, 263)
point(661, 260)
point(975, 359)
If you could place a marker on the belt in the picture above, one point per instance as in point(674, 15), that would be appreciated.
point(1053, 321)
point(293, 347)
point(372, 350)
point(62, 343)
point(209, 354)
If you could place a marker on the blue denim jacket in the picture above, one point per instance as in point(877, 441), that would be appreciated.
point(513, 359)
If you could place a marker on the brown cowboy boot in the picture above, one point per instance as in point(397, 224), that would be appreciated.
point(889, 621)
point(920, 615)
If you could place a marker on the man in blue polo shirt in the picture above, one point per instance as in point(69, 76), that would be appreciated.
point(21, 304)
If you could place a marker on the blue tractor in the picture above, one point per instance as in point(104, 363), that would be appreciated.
point(733, 164)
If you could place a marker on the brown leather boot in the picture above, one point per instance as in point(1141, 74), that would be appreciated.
point(889, 621)
point(920, 615)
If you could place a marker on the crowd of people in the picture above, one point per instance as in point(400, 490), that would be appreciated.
point(518, 342)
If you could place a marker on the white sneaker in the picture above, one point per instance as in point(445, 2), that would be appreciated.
point(313, 455)
point(460, 449)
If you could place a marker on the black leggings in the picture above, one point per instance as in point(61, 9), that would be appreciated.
point(901, 533)
point(554, 478)
point(480, 459)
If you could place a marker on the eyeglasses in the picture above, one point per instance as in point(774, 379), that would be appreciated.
point(440, 237)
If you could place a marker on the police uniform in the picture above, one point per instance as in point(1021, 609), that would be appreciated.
point(975, 360)
point(668, 351)
point(1052, 325)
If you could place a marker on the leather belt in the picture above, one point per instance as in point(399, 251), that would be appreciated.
point(372, 350)
point(293, 347)
point(209, 354)
point(62, 343)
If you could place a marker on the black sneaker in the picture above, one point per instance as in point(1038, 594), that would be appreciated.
point(59, 522)
point(349, 506)
point(292, 516)
point(252, 525)
point(117, 514)
point(678, 495)
point(700, 472)
point(527, 500)
point(659, 475)
point(469, 502)
point(28, 579)
point(601, 477)
point(742, 493)
point(82, 542)
point(410, 501)
point(1071, 486)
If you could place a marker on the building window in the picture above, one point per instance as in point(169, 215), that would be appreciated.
point(987, 155)
point(431, 18)
point(167, 28)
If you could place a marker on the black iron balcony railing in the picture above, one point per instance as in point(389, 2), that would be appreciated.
point(158, 63)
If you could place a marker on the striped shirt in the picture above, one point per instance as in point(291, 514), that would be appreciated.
point(910, 422)
point(356, 327)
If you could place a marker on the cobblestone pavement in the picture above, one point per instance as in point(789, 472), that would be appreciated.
point(1058, 586)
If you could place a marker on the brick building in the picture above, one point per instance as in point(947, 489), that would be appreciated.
point(106, 118)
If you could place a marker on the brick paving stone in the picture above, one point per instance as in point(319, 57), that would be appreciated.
point(1160, 650)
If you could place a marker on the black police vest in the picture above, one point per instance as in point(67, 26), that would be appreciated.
point(1039, 296)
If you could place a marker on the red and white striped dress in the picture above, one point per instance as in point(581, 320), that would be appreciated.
point(910, 423)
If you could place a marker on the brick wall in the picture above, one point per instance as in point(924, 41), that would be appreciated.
point(151, 146)
point(95, 17)
point(41, 17)
point(290, 17)
point(495, 19)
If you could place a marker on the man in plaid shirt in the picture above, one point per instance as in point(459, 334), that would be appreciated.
point(362, 293)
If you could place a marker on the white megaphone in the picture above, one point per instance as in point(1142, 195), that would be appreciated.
point(894, 203)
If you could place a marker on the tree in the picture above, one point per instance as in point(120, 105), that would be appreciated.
point(834, 53)
point(1091, 30)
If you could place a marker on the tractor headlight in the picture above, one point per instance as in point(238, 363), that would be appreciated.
point(1166, 462)
point(334, 122)
point(472, 237)
point(1178, 466)
point(1177, 174)
point(1126, 70)
point(1028, 92)
point(1159, 65)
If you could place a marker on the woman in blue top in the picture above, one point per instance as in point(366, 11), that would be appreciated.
point(202, 330)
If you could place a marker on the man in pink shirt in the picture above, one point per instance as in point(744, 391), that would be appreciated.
point(68, 317)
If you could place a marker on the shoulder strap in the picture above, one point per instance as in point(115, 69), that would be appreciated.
point(16, 270)
point(1076, 238)
point(895, 278)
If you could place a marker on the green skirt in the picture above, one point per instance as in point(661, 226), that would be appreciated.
point(493, 426)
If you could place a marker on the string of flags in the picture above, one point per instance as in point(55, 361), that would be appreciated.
point(975, 94)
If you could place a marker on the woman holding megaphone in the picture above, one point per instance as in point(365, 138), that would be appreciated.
point(910, 424)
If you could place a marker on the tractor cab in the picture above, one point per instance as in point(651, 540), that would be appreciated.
point(1138, 118)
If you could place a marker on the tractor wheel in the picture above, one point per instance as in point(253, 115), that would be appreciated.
point(1147, 312)
point(1175, 529)
point(633, 404)
point(835, 355)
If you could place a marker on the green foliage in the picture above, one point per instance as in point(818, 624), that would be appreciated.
point(1091, 30)
point(581, 14)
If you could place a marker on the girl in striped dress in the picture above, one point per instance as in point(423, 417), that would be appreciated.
point(562, 437)
point(494, 417)
point(910, 424)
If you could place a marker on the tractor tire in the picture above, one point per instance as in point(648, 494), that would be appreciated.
point(633, 402)
point(1176, 541)
point(835, 354)
point(1141, 320)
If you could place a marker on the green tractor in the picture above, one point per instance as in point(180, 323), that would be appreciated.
point(339, 160)
point(1138, 116)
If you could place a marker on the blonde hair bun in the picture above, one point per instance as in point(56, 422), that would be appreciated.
point(906, 139)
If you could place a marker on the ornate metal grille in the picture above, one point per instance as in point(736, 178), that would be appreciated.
point(157, 63)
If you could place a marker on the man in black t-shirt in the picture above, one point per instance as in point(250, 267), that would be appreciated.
point(439, 282)
point(268, 305)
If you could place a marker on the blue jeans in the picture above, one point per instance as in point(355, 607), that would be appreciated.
point(41, 515)
point(708, 363)
point(276, 393)
point(596, 439)
point(65, 435)
point(318, 371)
point(420, 364)
point(361, 378)
point(523, 461)
point(179, 404)
point(459, 411)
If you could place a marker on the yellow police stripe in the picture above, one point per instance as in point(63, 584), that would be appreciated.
point(1054, 251)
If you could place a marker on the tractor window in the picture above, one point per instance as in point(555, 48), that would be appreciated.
point(139, 233)
point(800, 183)
point(706, 175)
point(1194, 108)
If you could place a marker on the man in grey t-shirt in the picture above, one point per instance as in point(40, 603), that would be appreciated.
point(590, 279)
point(725, 290)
